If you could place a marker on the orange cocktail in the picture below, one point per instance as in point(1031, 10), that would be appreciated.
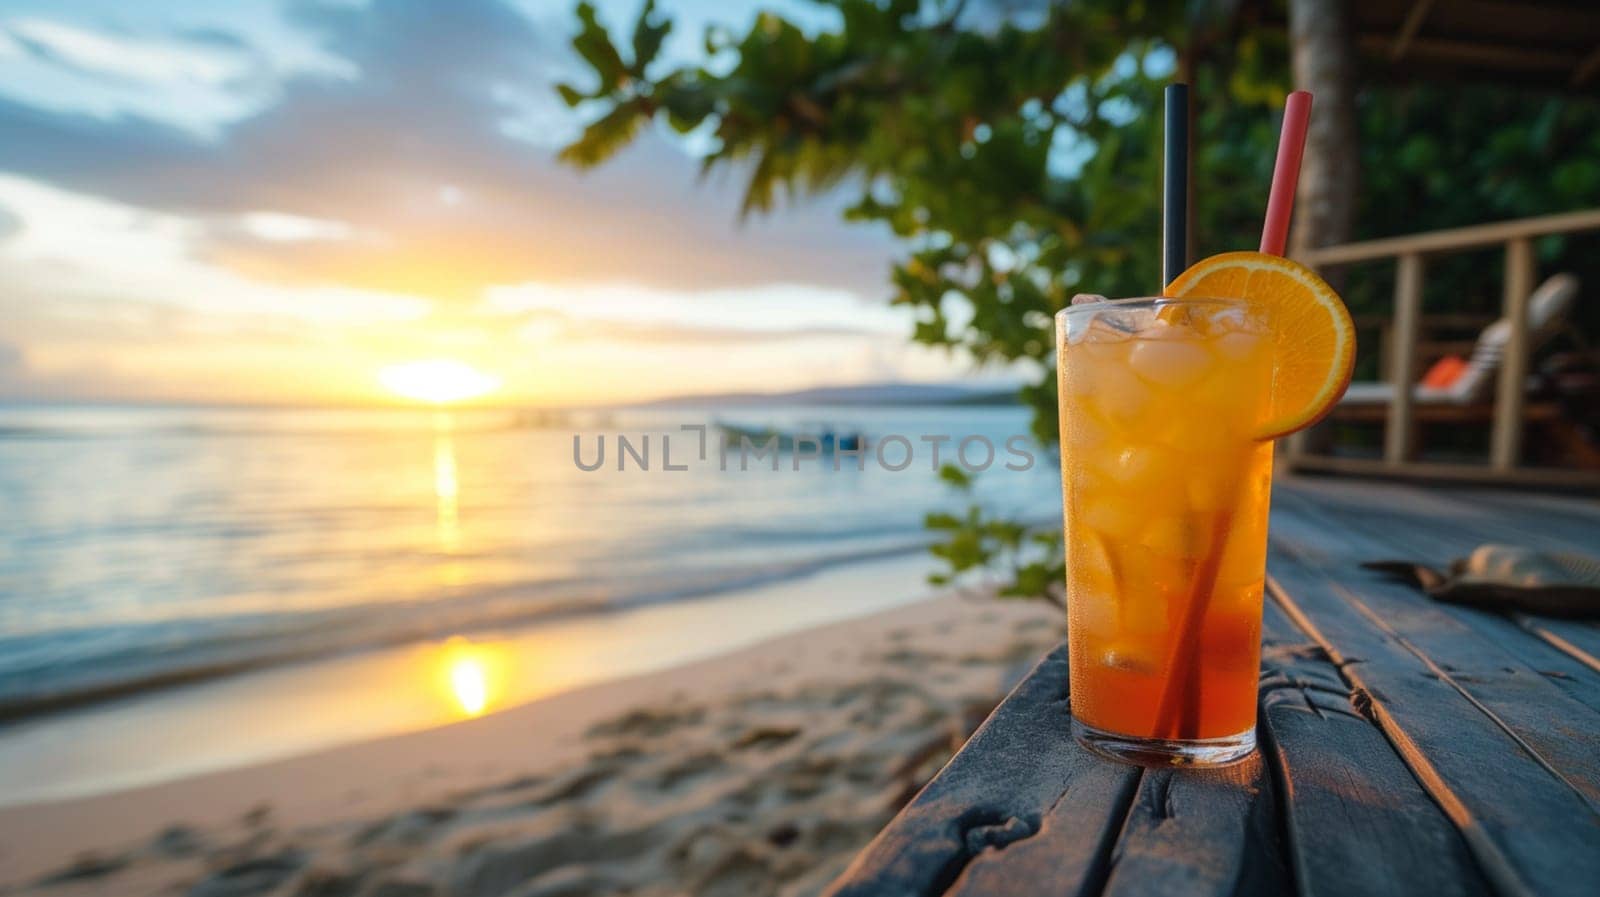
point(1166, 483)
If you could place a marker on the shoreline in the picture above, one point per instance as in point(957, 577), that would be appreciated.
point(811, 680)
point(207, 726)
point(39, 707)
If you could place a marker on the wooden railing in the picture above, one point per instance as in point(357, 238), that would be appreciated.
point(1431, 345)
point(1411, 253)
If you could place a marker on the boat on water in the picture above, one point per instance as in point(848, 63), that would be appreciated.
point(825, 439)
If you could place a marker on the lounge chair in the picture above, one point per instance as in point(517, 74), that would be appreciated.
point(1474, 386)
point(1469, 397)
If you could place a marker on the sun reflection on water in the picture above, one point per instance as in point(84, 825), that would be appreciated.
point(446, 489)
point(471, 685)
point(473, 676)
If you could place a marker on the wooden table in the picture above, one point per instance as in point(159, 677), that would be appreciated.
point(1407, 746)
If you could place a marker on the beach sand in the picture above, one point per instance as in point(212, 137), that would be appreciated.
point(758, 772)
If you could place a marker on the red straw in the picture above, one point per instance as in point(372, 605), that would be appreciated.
point(1291, 146)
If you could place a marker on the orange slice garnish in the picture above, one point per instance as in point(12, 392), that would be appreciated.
point(1314, 340)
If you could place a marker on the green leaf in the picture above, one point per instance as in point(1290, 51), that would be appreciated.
point(648, 34)
point(594, 45)
point(955, 477)
point(604, 137)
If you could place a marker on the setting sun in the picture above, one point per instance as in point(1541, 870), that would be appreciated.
point(438, 380)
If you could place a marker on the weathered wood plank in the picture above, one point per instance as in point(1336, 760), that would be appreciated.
point(1578, 640)
point(1549, 522)
point(1436, 526)
point(1350, 522)
point(1555, 523)
point(1020, 775)
point(1498, 672)
point(1070, 853)
point(1357, 820)
point(1189, 832)
point(1410, 527)
point(1577, 680)
point(1450, 522)
point(1201, 831)
point(1529, 828)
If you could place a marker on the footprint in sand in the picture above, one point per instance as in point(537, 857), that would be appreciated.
point(177, 842)
point(411, 827)
point(258, 875)
point(85, 867)
point(500, 865)
point(645, 722)
point(685, 775)
point(765, 737)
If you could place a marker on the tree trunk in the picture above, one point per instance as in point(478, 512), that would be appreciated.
point(1323, 56)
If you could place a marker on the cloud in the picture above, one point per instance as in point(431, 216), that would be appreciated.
point(549, 326)
point(73, 245)
point(428, 148)
point(751, 308)
point(276, 227)
point(125, 57)
point(216, 38)
point(9, 48)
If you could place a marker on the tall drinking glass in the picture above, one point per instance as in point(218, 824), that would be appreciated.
point(1166, 492)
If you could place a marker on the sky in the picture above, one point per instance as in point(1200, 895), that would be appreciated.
point(276, 200)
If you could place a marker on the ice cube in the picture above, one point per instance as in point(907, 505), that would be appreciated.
point(1229, 319)
point(1101, 327)
point(1088, 558)
point(1146, 471)
point(1210, 492)
point(1091, 580)
point(1087, 298)
point(1169, 363)
point(1132, 319)
point(1112, 515)
point(1239, 344)
point(1244, 559)
point(1091, 613)
point(1202, 430)
point(1166, 326)
point(1130, 465)
point(1117, 394)
point(1173, 535)
point(1128, 658)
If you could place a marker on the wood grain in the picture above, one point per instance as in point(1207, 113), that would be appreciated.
point(1357, 820)
point(1201, 832)
point(1530, 829)
point(1020, 789)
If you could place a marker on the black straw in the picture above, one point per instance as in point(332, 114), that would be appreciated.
point(1175, 185)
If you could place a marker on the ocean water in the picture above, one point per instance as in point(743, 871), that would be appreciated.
point(143, 547)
